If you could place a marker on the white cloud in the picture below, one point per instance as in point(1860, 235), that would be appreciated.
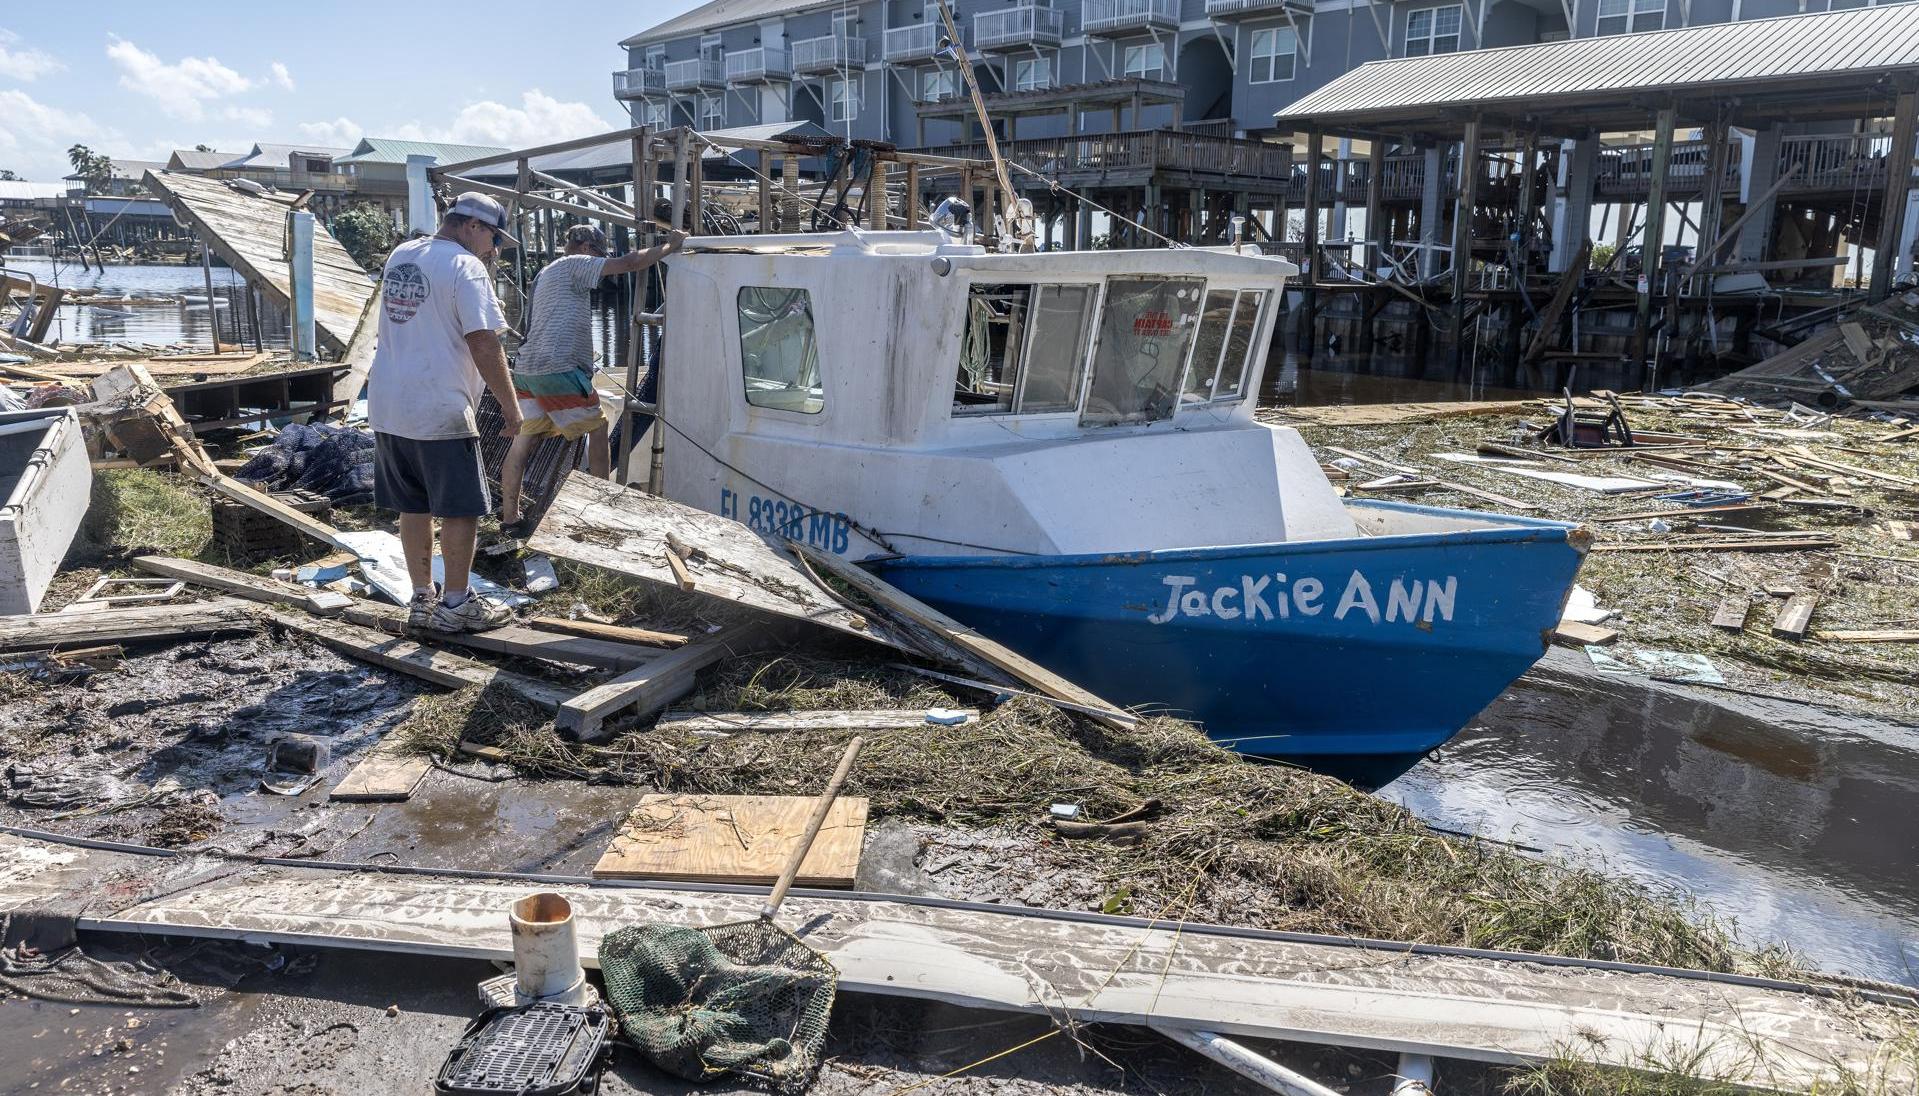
point(282, 77)
point(36, 137)
point(181, 89)
point(257, 117)
point(341, 132)
point(25, 65)
point(539, 119)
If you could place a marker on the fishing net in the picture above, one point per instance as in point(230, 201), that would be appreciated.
point(335, 461)
point(746, 998)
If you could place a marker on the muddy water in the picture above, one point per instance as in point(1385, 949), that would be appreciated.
point(1795, 821)
point(159, 324)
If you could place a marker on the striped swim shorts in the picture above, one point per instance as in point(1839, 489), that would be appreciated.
point(561, 405)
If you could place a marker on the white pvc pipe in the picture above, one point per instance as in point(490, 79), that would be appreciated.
point(546, 951)
point(1415, 1076)
point(1247, 1063)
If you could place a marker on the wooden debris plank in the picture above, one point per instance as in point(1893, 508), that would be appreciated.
point(1808, 457)
point(1075, 967)
point(986, 650)
point(133, 624)
point(1571, 633)
point(1795, 615)
point(1869, 635)
point(1899, 530)
point(426, 663)
point(1858, 342)
point(1731, 614)
point(1490, 496)
point(267, 504)
point(248, 232)
point(879, 719)
point(511, 640)
point(615, 633)
point(1718, 544)
point(384, 775)
point(651, 687)
point(1900, 435)
point(601, 524)
point(1386, 414)
point(1396, 483)
point(1679, 512)
point(735, 839)
point(1367, 458)
point(239, 583)
point(1779, 494)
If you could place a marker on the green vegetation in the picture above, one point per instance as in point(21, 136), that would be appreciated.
point(137, 510)
point(90, 166)
point(366, 232)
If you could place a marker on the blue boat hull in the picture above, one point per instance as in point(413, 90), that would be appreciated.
point(1355, 657)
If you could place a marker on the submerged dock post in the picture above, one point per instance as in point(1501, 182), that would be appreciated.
point(300, 280)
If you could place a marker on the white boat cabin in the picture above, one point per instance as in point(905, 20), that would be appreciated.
point(952, 401)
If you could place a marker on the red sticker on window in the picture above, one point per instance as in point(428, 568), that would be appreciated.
point(1152, 323)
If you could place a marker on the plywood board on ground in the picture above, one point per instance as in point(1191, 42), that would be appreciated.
point(384, 775)
point(734, 839)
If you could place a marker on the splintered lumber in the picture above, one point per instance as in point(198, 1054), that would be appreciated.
point(878, 719)
point(735, 839)
point(1571, 633)
point(1810, 543)
point(650, 688)
point(1075, 968)
point(614, 633)
point(267, 504)
point(1679, 512)
point(1854, 635)
point(1489, 496)
point(1399, 482)
point(132, 624)
point(1731, 614)
point(1562, 294)
point(1806, 456)
point(1795, 615)
point(239, 583)
point(426, 663)
point(384, 775)
point(511, 640)
point(990, 652)
point(601, 524)
point(249, 232)
point(1367, 458)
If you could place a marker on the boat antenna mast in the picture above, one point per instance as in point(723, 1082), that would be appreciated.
point(1016, 220)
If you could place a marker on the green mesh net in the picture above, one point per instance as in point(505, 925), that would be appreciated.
point(746, 998)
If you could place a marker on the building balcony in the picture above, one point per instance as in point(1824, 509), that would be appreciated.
point(917, 42)
point(1018, 28)
point(1227, 10)
point(635, 83)
point(758, 65)
point(831, 53)
point(694, 74)
point(1118, 18)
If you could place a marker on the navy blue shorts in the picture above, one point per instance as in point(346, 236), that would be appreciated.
point(442, 477)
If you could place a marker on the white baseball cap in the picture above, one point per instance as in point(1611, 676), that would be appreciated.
point(485, 210)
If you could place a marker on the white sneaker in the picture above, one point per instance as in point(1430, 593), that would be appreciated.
point(475, 614)
point(419, 611)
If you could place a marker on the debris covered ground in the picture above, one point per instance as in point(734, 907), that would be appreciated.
point(166, 750)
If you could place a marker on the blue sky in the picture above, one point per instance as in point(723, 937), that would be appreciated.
point(136, 80)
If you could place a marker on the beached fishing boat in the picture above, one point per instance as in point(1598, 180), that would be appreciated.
point(1059, 449)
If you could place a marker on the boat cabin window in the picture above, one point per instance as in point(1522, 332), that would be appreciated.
point(1224, 347)
point(778, 353)
point(1024, 351)
point(1145, 334)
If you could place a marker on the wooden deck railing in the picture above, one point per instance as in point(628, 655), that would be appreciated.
point(1137, 152)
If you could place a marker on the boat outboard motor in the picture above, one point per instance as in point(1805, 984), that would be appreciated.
point(954, 217)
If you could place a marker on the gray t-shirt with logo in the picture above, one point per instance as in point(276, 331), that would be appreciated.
point(561, 317)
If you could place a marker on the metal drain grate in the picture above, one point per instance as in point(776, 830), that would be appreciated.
point(534, 1050)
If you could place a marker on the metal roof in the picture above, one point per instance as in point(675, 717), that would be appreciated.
point(129, 169)
point(723, 13)
point(387, 150)
point(19, 190)
point(190, 159)
point(278, 156)
point(1797, 66)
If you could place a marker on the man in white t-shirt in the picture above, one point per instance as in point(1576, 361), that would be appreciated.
point(439, 342)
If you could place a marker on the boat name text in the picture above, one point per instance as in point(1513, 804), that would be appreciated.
point(1270, 597)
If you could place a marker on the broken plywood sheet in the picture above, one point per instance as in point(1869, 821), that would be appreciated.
point(1605, 485)
point(1251, 982)
point(384, 775)
point(604, 525)
point(735, 839)
point(248, 232)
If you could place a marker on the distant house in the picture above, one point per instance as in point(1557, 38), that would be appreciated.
point(122, 182)
point(194, 160)
point(378, 167)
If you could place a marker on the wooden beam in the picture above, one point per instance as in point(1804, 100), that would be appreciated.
point(407, 657)
point(1562, 295)
point(1463, 235)
point(1892, 209)
point(135, 624)
point(877, 719)
point(650, 688)
point(512, 640)
point(986, 650)
point(1795, 615)
point(1653, 239)
point(1731, 614)
point(239, 583)
point(645, 637)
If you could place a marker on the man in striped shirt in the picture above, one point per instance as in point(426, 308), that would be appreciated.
point(553, 375)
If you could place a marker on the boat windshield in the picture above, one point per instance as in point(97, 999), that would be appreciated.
point(779, 356)
point(1024, 351)
point(1145, 333)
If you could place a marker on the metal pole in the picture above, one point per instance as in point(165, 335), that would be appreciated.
point(213, 314)
point(300, 274)
point(643, 236)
